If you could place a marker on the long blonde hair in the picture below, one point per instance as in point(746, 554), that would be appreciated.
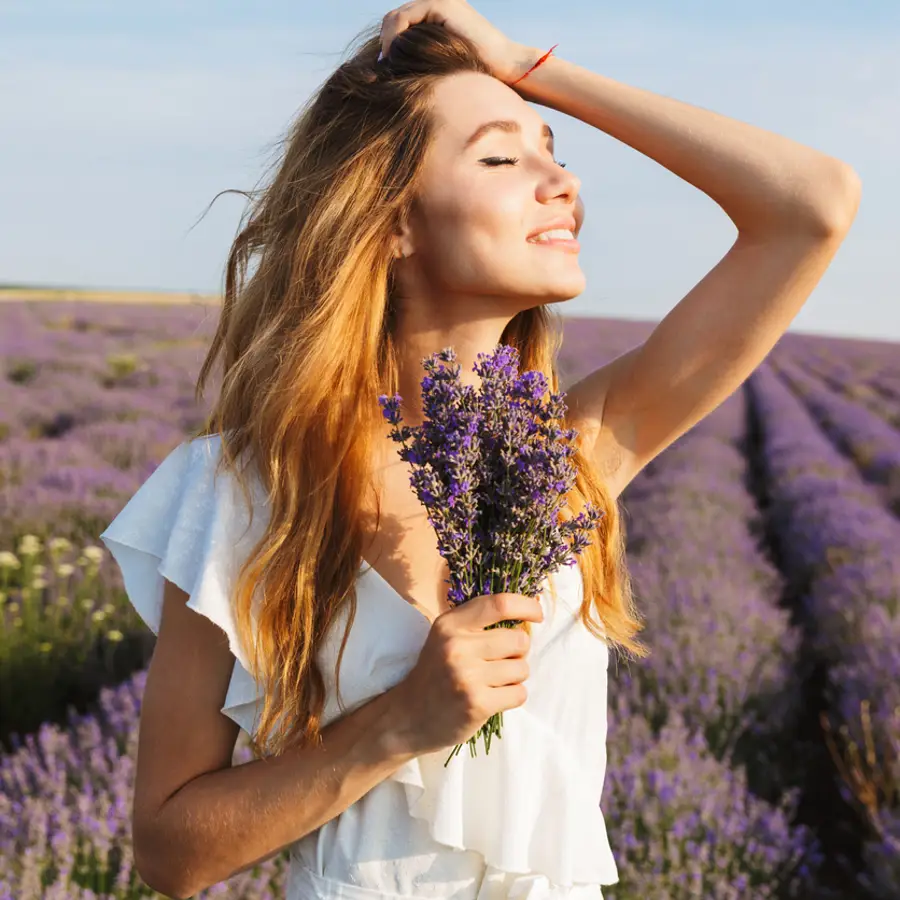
point(307, 345)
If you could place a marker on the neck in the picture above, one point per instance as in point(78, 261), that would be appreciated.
point(468, 340)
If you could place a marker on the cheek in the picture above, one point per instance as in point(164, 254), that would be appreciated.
point(469, 229)
point(488, 205)
point(461, 238)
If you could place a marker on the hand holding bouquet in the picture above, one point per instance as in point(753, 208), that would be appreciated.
point(491, 468)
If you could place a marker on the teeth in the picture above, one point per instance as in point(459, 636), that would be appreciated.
point(556, 233)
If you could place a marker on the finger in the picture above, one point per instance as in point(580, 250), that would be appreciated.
point(505, 672)
point(503, 643)
point(391, 25)
point(403, 17)
point(505, 606)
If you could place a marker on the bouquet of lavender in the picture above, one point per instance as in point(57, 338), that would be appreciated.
point(492, 471)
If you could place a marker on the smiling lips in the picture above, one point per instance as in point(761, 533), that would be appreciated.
point(558, 233)
point(561, 238)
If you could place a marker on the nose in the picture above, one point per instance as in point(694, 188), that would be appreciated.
point(561, 183)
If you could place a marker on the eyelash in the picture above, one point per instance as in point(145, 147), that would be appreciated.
point(512, 160)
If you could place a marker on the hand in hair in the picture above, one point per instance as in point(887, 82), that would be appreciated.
point(507, 59)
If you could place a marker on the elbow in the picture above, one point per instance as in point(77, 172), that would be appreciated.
point(165, 882)
point(823, 212)
point(160, 870)
point(154, 879)
point(838, 204)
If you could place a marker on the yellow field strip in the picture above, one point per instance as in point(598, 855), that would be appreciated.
point(94, 296)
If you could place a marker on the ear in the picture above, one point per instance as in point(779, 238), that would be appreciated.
point(403, 244)
point(402, 248)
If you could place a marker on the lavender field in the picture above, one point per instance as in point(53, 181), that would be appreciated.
point(756, 753)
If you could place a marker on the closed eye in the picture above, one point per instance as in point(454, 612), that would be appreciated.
point(508, 160)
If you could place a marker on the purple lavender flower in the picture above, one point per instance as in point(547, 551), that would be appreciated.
point(491, 469)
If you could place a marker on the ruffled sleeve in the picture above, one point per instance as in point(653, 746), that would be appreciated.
point(191, 528)
point(523, 806)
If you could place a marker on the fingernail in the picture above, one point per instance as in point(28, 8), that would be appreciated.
point(380, 56)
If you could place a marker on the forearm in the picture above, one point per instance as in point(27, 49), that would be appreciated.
point(763, 181)
point(227, 821)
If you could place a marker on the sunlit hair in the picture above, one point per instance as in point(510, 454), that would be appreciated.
point(307, 345)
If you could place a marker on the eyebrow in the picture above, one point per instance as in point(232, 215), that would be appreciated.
point(508, 125)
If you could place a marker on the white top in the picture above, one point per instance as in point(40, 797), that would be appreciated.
point(522, 823)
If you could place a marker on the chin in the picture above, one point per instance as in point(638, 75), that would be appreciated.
point(556, 299)
point(568, 289)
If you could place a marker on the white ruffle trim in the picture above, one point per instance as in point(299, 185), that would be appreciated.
point(190, 528)
point(523, 807)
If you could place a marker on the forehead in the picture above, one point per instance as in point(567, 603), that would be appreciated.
point(463, 102)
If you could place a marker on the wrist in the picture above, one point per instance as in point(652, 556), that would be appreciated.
point(521, 59)
point(400, 736)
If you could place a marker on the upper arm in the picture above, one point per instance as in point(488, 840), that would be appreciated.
point(700, 353)
point(182, 734)
point(605, 441)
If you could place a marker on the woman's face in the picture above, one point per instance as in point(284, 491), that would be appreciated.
point(468, 238)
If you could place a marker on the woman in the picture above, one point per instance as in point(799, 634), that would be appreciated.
point(405, 217)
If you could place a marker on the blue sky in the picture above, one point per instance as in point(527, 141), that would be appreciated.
point(121, 123)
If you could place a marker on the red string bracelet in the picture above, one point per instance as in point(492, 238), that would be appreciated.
point(542, 59)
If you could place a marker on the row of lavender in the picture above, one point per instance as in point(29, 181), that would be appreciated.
point(837, 545)
point(874, 383)
point(720, 688)
point(871, 378)
point(873, 393)
point(872, 443)
point(865, 356)
point(93, 397)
